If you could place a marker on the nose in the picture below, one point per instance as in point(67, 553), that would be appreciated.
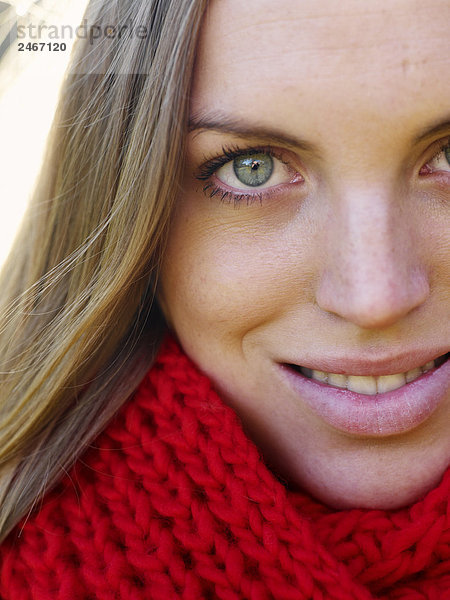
point(374, 272)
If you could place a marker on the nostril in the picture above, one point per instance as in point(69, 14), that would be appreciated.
point(371, 303)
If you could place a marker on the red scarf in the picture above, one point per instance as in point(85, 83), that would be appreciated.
point(174, 502)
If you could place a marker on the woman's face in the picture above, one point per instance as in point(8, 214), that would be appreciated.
point(310, 248)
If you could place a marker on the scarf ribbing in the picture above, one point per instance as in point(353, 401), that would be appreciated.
point(173, 501)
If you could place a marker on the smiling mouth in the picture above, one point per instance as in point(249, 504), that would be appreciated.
point(366, 384)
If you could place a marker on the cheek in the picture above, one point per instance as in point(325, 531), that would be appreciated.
point(229, 275)
point(434, 245)
point(210, 281)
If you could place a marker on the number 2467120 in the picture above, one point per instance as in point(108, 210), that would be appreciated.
point(41, 46)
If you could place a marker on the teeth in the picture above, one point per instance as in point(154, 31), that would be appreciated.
point(337, 380)
point(320, 376)
point(413, 374)
point(387, 383)
point(362, 384)
point(366, 384)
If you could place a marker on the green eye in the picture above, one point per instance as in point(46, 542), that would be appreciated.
point(253, 169)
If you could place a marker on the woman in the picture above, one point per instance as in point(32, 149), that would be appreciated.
point(299, 255)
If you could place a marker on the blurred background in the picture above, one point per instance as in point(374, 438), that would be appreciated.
point(29, 85)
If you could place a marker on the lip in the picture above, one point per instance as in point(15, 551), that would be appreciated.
point(391, 413)
point(372, 366)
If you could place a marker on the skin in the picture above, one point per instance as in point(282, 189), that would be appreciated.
point(351, 261)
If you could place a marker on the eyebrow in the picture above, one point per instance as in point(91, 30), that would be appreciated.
point(225, 124)
point(245, 129)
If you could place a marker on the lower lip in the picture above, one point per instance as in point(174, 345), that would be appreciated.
point(385, 414)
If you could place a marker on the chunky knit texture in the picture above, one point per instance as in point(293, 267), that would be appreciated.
point(174, 502)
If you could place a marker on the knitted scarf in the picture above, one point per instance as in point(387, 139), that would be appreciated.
point(173, 501)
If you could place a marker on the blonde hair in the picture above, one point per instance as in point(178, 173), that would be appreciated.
point(78, 322)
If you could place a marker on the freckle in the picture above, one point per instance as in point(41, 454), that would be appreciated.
point(405, 65)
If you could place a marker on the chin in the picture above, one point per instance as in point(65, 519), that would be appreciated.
point(363, 476)
point(386, 492)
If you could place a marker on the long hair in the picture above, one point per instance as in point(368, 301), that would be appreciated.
point(78, 322)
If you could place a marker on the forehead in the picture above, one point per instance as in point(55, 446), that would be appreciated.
point(385, 56)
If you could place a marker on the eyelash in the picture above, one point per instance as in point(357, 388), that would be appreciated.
point(229, 153)
point(209, 167)
point(444, 146)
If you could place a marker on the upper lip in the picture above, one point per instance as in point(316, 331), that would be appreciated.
point(373, 365)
